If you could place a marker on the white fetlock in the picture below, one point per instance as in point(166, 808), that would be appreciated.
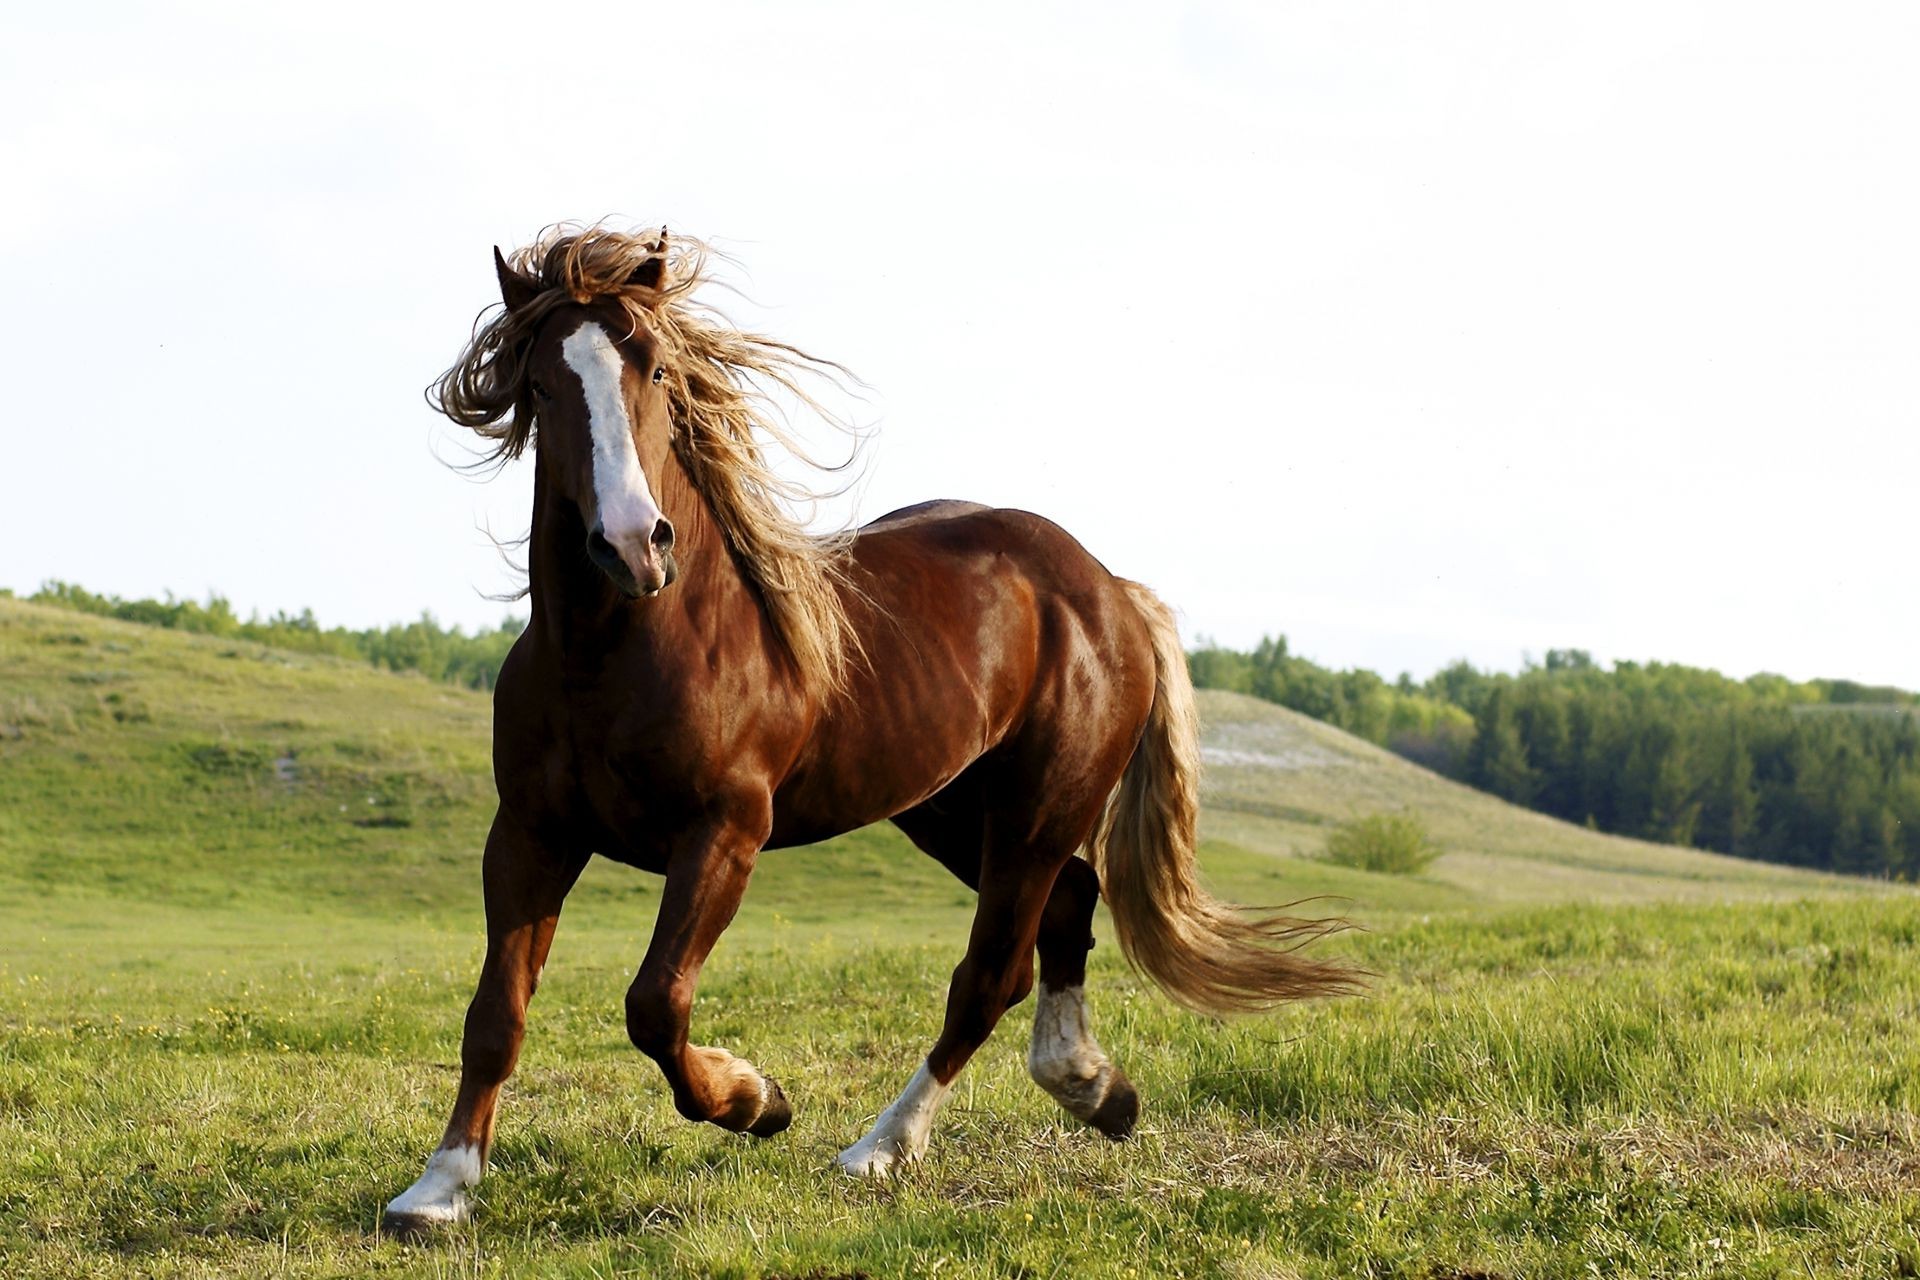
point(900, 1134)
point(1064, 1058)
point(439, 1197)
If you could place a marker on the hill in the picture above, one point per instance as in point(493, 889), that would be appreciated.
point(164, 767)
point(1276, 780)
point(1822, 774)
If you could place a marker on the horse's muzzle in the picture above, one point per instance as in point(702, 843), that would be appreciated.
point(643, 570)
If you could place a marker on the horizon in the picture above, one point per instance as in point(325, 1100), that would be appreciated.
point(1410, 336)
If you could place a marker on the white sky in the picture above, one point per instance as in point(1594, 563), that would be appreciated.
point(1412, 331)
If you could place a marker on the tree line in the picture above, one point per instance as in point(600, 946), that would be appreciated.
point(1413, 720)
point(1820, 773)
point(439, 653)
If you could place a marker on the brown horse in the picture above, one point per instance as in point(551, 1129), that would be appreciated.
point(700, 679)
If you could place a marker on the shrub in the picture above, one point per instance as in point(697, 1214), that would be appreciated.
point(1394, 843)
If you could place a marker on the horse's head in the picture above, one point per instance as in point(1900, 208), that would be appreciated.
point(596, 377)
point(640, 393)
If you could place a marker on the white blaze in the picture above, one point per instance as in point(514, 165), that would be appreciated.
point(626, 505)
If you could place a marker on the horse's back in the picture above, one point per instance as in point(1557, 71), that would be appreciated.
point(988, 633)
point(948, 535)
point(943, 570)
point(933, 509)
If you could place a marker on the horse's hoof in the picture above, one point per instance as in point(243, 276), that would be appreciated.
point(438, 1199)
point(414, 1226)
point(776, 1113)
point(872, 1159)
point(1119, 1111)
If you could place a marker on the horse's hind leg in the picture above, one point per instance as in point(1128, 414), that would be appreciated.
point(1064, 1058)
point(996, 974)
point(525, 883)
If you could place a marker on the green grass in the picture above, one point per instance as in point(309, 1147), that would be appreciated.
point(229, 1008)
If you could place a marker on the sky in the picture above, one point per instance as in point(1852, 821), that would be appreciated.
point(1414, 332)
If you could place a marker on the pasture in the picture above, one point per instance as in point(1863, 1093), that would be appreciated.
point(239, 922)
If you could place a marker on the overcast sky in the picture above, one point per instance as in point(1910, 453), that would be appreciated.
point(1413, 331)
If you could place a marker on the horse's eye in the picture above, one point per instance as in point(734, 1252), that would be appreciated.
point(659, 374)
point(539, 390)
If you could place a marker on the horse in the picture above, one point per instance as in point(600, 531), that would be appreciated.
point(701, 679)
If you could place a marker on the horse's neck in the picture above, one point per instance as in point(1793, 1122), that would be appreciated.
point(575, 603)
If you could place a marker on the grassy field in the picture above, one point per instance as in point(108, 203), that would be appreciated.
point(239, 920)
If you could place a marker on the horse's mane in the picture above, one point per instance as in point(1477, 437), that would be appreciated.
point(720, 379)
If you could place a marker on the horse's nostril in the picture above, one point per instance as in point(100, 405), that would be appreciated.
point(597, 544)
point(663, 534)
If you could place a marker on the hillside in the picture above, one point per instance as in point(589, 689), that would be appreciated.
point(1822, 774)
point(169, 768)
point(1276, 780)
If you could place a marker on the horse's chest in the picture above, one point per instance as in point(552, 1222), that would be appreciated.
point(638, 789)
point(622, 785)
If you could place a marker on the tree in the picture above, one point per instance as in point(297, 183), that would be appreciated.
point(1499, 760)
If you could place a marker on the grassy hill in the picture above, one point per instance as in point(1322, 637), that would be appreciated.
point(167, 768)
point(239, 919)
point(1276, 780)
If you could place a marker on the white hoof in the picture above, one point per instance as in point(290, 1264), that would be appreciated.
point(899, 1136)
point(873, 1157)
point(439, 1197)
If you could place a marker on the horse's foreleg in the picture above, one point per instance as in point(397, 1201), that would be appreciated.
point(996, 974)
point(1064, 1058)
point(525, 883)
point(706, 878)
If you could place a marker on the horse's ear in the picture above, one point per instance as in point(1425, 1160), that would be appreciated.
point(515, 289)
point(652, 273)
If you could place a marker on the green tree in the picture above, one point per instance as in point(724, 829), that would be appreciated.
point(1498, 762)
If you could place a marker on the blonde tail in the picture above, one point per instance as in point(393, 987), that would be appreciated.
point(1206, 955)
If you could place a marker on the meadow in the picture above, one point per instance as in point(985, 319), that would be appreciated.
point(239, 922)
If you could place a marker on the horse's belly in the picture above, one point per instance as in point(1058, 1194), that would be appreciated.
point(820, 806)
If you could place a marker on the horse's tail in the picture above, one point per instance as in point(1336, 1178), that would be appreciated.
point(1205, 954)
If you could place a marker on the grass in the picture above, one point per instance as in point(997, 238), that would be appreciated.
point(239, 921)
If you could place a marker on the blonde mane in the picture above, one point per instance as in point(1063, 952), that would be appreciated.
point(721, 381)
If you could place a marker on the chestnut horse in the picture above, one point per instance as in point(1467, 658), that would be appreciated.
point(701, 679)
